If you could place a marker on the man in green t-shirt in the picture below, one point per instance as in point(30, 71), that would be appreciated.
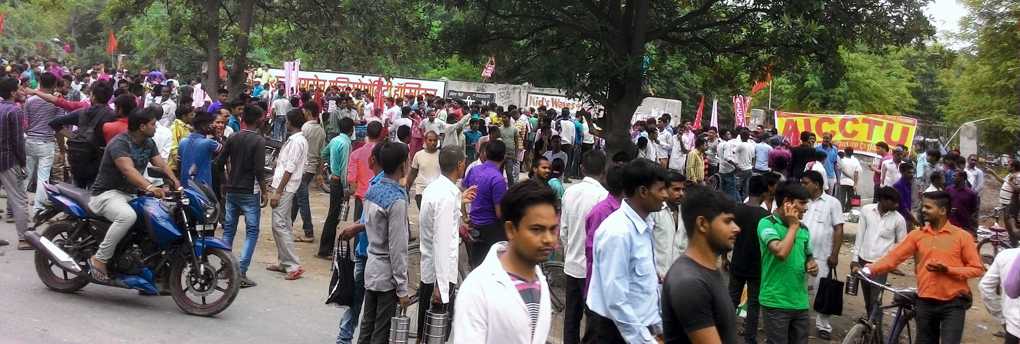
point(785, 258)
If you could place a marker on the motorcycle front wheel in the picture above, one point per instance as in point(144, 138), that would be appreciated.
point(207, 289)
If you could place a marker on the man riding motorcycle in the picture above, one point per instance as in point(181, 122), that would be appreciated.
point(119, 178)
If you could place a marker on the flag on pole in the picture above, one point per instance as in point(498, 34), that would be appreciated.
point(2, 22)
point(714, 121)
point(490, 68)
point(698, 115)
point(740, 106)
point(111, 43)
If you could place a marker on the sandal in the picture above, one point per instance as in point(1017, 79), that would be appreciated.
point(296, 274)
point(299, 238)
point(276, 268)
point(96, 274)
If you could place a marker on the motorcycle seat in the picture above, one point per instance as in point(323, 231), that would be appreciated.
point(75, 193)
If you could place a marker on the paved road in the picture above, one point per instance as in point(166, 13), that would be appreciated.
point(276, 311)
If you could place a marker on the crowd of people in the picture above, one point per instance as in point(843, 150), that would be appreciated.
point(646, 234)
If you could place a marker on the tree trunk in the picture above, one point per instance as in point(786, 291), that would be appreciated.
point(212, 48)
point(625, 94)
point(237, 75)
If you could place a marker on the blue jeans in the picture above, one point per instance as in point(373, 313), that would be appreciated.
point(302, 206)
point(250, 206)
point(729, 185)
point(39, 160)
point(349, 319)
point(279, 132)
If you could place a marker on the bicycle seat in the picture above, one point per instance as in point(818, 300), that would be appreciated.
point(905, 297)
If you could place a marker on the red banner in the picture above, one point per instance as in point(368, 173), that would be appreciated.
point(698, 115)
point(111, 43)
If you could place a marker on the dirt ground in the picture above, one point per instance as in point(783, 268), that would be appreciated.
point(980, 326)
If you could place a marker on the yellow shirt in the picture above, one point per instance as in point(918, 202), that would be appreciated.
point(695, 167)
point(178, 131)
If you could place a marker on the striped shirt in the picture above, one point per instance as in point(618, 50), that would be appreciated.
point(39, 113)
point(12, 142)
point(531, 293)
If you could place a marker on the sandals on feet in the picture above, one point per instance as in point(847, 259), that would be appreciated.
point(96, 274)
point(293, 275)
point(276, 268)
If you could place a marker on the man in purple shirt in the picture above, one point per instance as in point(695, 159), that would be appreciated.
point(905, 186)
point(486, 226)
point(598, 213)
point(12, 158)
point(964, 203)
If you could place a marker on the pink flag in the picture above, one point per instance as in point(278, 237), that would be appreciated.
point(740, 105)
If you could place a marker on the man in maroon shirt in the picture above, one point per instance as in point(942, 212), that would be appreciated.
point(964, 203)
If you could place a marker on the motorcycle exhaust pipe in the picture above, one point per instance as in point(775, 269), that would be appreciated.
point(57, 255)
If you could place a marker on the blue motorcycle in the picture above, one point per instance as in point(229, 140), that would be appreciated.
point(171, 245)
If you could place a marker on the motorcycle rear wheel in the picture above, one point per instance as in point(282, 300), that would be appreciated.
point(49, 272)
point(191, 290)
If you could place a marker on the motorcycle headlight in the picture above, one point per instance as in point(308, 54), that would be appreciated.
point(210, 213)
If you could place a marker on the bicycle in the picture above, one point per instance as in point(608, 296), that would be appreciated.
point(553, 271)
point(996, 235)
point(869, 330)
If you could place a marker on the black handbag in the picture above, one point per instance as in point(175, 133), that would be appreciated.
point(829, 298)
point(341, 284)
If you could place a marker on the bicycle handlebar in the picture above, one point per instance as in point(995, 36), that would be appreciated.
point(900, 292)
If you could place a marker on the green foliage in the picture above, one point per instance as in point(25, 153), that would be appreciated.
point(456, 68)
point(29, 34)
point(986, 84)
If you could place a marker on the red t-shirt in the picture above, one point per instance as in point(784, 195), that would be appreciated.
point(112, 129)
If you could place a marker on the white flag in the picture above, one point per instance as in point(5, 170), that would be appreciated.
point(714, 121)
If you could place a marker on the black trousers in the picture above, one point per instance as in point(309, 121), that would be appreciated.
point(844, 194)
point(736, 286)
point(425, 291)
point(487, 236)
point(574, 311)
point(336, 204)
point(379, 307)
point(1011, 339)
point(941, 321)
point(601, 330)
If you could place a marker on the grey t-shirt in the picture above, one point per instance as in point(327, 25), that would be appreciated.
point(693, 298)
point(109, 177)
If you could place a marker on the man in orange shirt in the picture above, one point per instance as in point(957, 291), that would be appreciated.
point(946, 258)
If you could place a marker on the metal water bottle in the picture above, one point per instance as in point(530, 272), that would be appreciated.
point(852, 283)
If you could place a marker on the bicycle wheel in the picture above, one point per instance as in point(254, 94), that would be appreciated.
point(859, 334)
point(987, 257)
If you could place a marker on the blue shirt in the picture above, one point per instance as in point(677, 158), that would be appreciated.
point(215, 106)
point(624, 285)
point(233, 123)
point(361, 249)
point(761, 156)
point(196, 153)
point(831, 157)
point(491, 187)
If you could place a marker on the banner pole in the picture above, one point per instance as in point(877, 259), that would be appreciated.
point(770, 94)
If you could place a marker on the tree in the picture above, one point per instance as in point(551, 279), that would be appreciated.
point(596, 48)
point(986, 82)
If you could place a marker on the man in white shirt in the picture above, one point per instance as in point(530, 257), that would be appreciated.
point(280, 108)
point(577, 202)
point(506, 299)
point(424, 167)
point(824, 220)
point(975, 176)
point(290, 166)
point(742, 150)
point(169, 107)
point(440, 219)
point(392, 112)
point(996, 299)
point(891, 167)
point(850, 174)
point(670, 235)
point(881, 226)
